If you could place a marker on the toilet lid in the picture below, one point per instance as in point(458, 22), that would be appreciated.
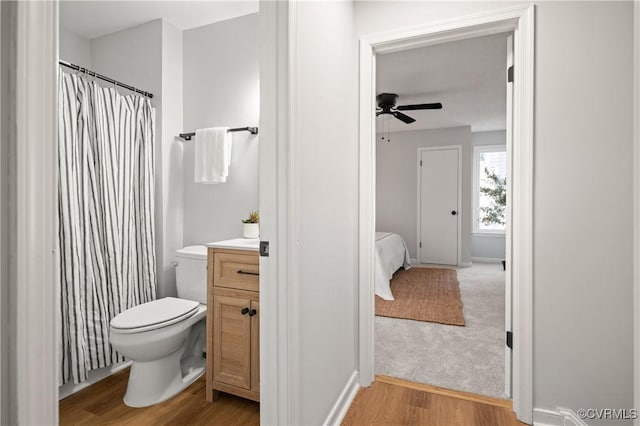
point(158, 312)
point(193, 252)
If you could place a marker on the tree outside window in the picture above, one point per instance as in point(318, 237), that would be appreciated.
point(491, 189)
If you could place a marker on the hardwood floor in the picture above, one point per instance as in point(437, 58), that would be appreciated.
point(101, 404)
point(391, 401)
point(388, 401)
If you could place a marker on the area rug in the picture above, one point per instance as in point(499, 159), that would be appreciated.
point(424, 294)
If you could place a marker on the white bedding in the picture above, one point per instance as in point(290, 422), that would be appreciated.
point(391, 254)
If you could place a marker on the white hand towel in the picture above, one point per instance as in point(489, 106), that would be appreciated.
point(212, 155)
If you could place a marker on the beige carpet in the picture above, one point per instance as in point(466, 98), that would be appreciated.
point(424, 294)
point(469, 358)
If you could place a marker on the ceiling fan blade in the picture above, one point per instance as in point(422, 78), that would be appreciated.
point(436, 105)
point(403, 117)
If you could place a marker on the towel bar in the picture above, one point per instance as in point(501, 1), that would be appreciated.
point(252, 130)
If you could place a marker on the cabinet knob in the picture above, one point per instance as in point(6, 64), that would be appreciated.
point(244, 311)
point(252, 312)
point(453, 212)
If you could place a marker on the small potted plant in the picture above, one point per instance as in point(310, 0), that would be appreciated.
point(251, 227)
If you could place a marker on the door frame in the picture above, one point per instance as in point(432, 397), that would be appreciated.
point(29, 364)
point(458, 148)
point(636, 203)
point(32, 284)
point(279, 349)
point(508, 284)
point(519, 20)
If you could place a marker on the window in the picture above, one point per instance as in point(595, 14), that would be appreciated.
point(489, 189)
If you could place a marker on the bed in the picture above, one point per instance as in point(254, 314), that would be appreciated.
point(391, 254)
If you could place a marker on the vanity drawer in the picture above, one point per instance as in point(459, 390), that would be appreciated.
point(240, 271)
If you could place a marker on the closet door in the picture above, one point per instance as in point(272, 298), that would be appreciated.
point(439, 205)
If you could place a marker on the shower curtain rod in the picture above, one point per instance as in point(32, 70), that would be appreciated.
point(102, 77)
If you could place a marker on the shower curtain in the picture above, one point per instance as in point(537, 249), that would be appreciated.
point(106, 217)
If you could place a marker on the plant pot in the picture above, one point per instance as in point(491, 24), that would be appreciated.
point(251, 230)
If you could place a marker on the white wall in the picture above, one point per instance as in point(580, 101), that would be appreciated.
point(396, 186)
point(583, 177)
point(74, 48)
point(221, 88)
point(379, 16)
point(487, 246)
point(325, 204)
point(583, 313)
point(397, 182)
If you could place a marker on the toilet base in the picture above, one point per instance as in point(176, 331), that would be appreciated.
point(164, 361)
point(156, 381)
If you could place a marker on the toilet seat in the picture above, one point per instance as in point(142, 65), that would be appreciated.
point(154, 315)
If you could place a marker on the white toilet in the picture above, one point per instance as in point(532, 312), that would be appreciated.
point(165, 339)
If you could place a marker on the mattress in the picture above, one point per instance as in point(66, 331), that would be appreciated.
point(391, 254)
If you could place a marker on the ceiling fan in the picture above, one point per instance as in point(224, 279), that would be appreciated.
point(387, 105)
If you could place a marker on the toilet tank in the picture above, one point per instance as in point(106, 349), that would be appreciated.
point(191, 273)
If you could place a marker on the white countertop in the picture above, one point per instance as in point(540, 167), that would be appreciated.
point(237, 244)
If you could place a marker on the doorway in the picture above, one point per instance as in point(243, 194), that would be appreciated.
point(520, 21)
point(444, 154)
point(168, 61)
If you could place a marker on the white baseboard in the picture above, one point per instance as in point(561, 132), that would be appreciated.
point(95, 376)
point(558, 417)
point(486, 260)
point(339, 410)
point(417, 263)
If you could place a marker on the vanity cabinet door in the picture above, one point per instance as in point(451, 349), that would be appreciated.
point(232, 342)
point(255, 347)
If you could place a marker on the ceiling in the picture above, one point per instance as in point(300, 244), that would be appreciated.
point(467, 77)
point(95, 18)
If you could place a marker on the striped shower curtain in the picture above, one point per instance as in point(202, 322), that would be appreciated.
point(106, 217)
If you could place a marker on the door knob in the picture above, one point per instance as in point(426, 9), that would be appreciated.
point(453, 212)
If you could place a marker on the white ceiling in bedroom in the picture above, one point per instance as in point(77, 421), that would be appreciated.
point(468, 77)
point(95, 18)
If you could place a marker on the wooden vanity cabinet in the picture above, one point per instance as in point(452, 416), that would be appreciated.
point(233, 351)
